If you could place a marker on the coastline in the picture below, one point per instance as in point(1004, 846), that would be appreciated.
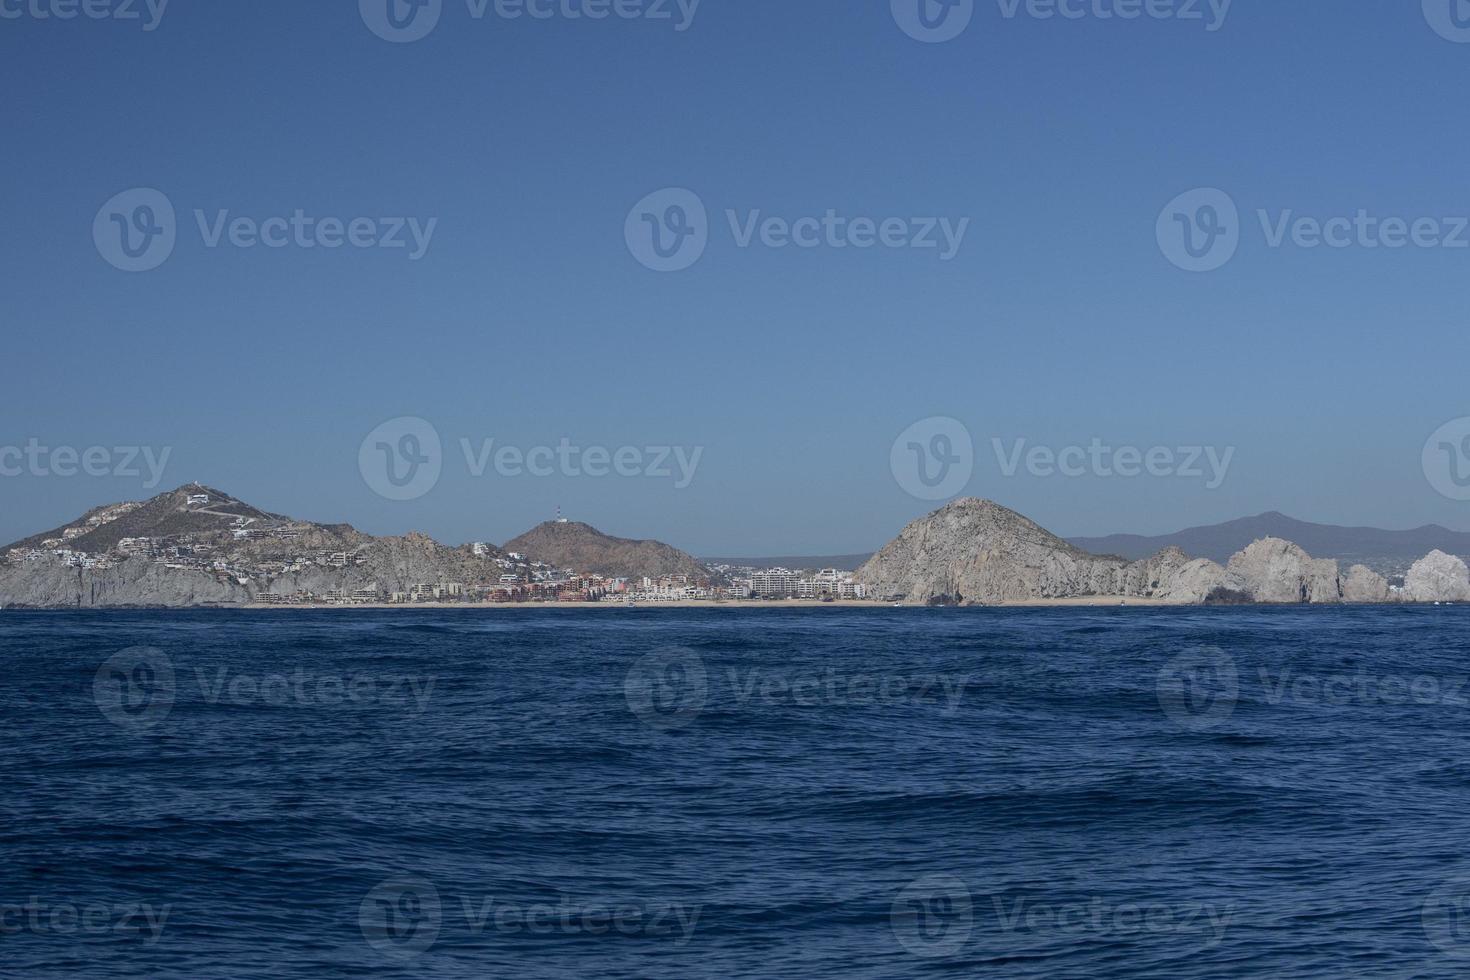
point(1090, 602)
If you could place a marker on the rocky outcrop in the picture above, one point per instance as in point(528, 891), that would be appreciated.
point(1273, 570)
point(976, 551)
point(571, 544)
point(1438, 577)
point(197, 546)
point(1362, 584)
point(1195, 582)
point(49, 585)
point(394, 564)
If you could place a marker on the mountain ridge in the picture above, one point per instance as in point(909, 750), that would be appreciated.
point(1217, 542)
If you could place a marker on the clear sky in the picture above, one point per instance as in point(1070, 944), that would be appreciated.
point(529, 319)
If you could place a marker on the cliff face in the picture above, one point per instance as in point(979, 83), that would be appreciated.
point(584, 548)
point(129, 583)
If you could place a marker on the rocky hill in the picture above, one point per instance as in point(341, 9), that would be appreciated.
point(199, 546)
point(976, 551)
point(166, 515)
point(570, 544)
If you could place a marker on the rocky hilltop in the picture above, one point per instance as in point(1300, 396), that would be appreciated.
point(199, 546)
point(976, 551)
point(571, 544)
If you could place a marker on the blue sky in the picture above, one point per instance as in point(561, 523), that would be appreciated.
point(528, 319)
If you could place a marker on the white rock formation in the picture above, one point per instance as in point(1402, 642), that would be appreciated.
point(1274, 570)
point(1438, 577)
point(1362, 584)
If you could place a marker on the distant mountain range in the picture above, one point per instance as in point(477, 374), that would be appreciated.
point(1379, 549)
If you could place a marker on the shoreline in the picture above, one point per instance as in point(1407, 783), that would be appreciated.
point(1074, 602)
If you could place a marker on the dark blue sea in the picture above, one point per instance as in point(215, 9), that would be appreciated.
point(736, 793)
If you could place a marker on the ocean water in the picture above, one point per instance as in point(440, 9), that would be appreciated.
point(736, 793)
